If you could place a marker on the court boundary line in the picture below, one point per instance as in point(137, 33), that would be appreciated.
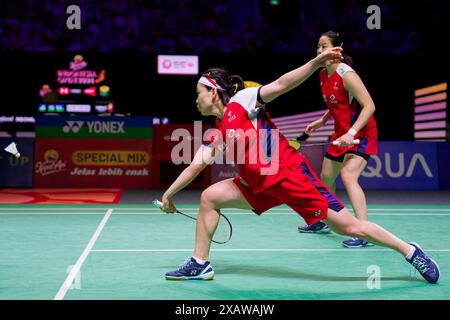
point(77, 267)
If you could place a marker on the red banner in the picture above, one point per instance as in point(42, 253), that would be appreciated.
point(162, 135)
point(221, 172)
point(166, 137)
point(93, 163)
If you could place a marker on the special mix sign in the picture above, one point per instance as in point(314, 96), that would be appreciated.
point(92, 163)
point(90, 151)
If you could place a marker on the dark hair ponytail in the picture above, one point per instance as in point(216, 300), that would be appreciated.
point(237, 83)
point(337, 40)
point(230, 83)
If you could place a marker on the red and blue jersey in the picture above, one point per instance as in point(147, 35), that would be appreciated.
point(345, 110)
point(250, 139)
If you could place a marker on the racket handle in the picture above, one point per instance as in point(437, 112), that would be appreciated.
point(157, 203)
point(336, 143)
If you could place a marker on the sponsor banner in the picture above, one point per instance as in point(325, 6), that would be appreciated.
point(168, 136)
point(179, 65)
point(92, 163)
point(17, 172)
point(174, 147)
point(401, 165)
point(444, 160)
point(221, 172)
point(94, 127)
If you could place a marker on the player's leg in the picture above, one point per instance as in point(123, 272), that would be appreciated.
point(343, 222)
point(313, 201)
point(331, 167)
point(352, 167)
point(330, 170)
point(223, 194)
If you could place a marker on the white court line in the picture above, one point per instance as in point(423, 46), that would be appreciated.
point(77, 267)
point(262, 250)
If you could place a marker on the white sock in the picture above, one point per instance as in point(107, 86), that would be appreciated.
point(412, 249)
point(199, 261)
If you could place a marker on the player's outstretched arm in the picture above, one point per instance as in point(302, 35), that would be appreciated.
point(203, 157)
point(295, 77)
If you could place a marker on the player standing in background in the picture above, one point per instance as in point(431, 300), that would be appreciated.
point(352, 108)
point(280, 176)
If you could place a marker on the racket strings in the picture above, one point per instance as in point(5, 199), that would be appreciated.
point(223, 230)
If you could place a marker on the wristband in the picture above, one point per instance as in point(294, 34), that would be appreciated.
point(352, 132)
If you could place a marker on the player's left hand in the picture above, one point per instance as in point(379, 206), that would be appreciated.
point(346, 140)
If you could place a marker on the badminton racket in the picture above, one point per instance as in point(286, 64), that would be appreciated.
point(296, 144)
point(223, 231)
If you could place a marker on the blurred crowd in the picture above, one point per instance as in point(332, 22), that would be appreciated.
point(222, 26)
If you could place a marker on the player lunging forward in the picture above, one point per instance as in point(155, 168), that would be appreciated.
point(279, 176)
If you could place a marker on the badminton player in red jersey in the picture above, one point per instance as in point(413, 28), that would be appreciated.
point(271, 172)
point(352, 108)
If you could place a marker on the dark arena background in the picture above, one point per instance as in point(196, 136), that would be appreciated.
point(97, 96)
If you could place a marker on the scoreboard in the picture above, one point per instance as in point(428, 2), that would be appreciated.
point(78, 89)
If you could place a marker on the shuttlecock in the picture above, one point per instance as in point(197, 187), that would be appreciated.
point(12, 148)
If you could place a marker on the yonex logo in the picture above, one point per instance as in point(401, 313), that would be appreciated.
point(116, 127)
point(73, 126)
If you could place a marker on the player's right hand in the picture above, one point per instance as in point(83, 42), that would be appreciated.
point(313, 126)
point(168, 206)
point(330, 54)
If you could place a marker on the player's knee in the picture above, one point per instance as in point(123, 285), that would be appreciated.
point(206, 198)
point(357, 229)
point(326, 178)
point(212, 197)
point(365, 228)
point(352, 229)
point(348, 177)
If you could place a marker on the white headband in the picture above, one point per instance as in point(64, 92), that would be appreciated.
point(209, 82)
